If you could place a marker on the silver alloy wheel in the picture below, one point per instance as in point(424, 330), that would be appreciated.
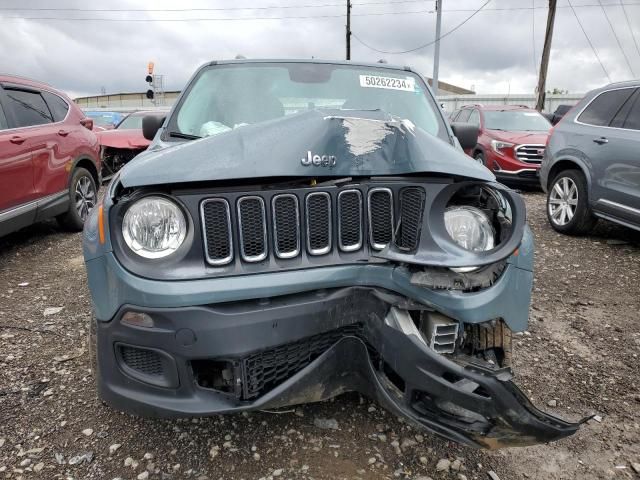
point(85, 197)
point(563, 201)
point(479, 159)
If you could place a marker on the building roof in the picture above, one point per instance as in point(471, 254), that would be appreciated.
point(451, 88)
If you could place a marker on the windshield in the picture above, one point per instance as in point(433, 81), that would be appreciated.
point(225, 97)
point(132, 122)
point(515, 120)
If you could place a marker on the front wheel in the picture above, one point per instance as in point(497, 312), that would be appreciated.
point(568, 208)
point(480, 158)
point(83, 197)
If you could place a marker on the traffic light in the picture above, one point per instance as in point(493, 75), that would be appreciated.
point(149, 80)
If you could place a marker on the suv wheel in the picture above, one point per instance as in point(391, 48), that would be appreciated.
point(480, 158)
point(83, 196)
point(567, 204)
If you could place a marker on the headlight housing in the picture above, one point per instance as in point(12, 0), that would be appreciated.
point(501, 147)
point(470, 228)
point(154, 227)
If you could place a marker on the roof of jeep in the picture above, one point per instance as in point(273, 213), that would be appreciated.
point(314, 61)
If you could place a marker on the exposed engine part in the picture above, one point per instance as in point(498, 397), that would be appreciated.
point(441, 332)
point(113, 159)
point(446, 279)
point(489, 341)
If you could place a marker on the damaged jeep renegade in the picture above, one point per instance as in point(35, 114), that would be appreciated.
point(300, 229)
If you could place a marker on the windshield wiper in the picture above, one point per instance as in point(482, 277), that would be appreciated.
point(186, 136)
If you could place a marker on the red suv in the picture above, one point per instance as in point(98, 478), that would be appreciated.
point(49, 158)
point(511, 140)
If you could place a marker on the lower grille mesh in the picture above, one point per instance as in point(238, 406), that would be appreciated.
point(144, 361)
point(411, 207)
point(265, 370)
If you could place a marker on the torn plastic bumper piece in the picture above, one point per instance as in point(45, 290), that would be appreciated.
point(464, 403)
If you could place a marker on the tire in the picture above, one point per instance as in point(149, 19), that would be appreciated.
point(568, 208)
point(480, 159)
point(83, 197)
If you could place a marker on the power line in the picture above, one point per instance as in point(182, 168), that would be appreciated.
point(283, 7)
point(630, 28)
point(209, 19)
point(588, 40)
point(428, 43)
point(293, 17)
point(617, 39)
point(204, 9)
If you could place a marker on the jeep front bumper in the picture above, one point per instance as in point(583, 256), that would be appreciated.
point(330, 331)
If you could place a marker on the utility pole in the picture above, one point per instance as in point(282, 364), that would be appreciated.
point(436, 53)
point(544, 63)
point(348, 29)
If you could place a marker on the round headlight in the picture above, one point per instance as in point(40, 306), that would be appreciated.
point(154, 227)
point(470, 228)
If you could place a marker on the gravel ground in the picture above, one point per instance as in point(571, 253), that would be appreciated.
point(579, 357)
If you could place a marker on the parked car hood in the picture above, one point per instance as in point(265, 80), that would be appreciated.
point(126, 138)
point(315, 143)
point(520, 138)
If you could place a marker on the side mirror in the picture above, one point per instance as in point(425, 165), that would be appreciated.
point(151, 124)
point(466, 133)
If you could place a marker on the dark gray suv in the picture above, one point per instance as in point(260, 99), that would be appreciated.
point(591, 167)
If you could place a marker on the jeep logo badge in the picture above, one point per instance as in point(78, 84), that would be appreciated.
point(319, 160)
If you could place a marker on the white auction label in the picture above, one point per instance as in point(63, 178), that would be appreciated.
point(407, 84)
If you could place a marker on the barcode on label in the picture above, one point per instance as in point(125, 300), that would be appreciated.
point(407, 84)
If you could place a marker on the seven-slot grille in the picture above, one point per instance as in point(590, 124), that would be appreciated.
point(530, 153)
point(287, 223)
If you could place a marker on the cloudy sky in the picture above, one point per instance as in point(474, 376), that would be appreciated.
point(79, 50)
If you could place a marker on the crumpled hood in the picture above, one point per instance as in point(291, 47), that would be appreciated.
point(520, 138)
point(316, 143)
point(127, 138)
